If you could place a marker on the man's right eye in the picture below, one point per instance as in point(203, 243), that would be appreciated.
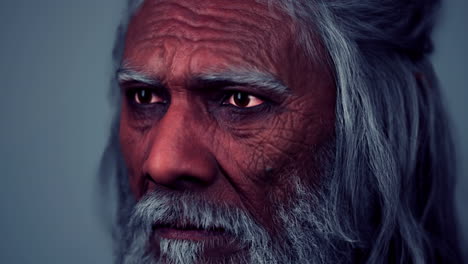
point(144, 96)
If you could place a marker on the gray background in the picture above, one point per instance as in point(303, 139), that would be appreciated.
point(54, 117)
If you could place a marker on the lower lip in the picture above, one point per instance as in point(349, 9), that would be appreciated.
point(188, 234)
point(220, 244)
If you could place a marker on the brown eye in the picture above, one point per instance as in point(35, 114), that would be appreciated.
point(146, 96)
point(244, 100)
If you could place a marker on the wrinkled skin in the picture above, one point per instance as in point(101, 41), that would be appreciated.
point(189, 137)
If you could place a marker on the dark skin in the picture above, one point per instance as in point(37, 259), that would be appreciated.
point(224, 141)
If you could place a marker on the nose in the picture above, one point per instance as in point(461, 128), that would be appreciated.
point(177, 157)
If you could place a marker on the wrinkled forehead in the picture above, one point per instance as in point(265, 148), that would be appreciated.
point(241, 11)
point(249, 29)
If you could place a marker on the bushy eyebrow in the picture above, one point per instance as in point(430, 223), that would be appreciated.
point(265, 82)
point(256, 80)
point(128, 75)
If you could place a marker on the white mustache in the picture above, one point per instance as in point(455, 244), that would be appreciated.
point(186, 211)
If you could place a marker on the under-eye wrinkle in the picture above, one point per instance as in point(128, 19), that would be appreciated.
point(235, 115)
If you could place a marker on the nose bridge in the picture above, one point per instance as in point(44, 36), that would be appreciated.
point(177, 157)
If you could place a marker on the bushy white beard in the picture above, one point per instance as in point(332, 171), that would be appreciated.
point(307, 236)
point(161, 207)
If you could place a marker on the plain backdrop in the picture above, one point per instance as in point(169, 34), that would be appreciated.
point(55, 63)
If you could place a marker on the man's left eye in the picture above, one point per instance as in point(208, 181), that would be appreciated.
point(243, 100)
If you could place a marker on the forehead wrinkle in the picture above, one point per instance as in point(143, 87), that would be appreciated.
point(243, 41)
point(244, 22)
point(213, 16)
point(229, 52)
point(231, 31)
point(231, 11)
point(234, 39)
point(231, 46)
point(238, 47)
point(232, 57)
point(232, 27)
point(183, 29)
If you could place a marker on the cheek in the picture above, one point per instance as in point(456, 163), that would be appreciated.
point(260, 163)
point(276, 140)
point(270, 151)
point(133, 151)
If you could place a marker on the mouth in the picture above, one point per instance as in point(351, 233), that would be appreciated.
point(189, 232)
point(217, 241)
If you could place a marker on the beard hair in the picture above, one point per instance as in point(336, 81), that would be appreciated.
point(307, 235)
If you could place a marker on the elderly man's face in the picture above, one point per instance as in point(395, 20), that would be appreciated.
point(219, 101)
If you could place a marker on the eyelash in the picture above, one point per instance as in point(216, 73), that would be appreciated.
point(227, 96)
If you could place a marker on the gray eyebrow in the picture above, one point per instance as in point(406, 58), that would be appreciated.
point(256, 79)
point(260, 80)
point(125, 74)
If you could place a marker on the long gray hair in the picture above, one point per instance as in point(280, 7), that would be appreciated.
point(394, 167)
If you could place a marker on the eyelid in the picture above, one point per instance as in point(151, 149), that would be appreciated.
point(247, 90)
point(265, 96)
point(155, 98)
point(131, 91)
point(227, 98)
